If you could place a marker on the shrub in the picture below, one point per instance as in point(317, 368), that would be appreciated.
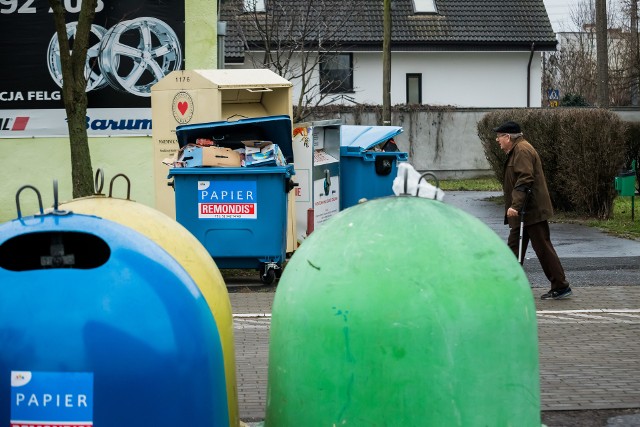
point(573, 100)
point(581, 152)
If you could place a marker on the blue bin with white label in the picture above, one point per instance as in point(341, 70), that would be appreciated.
point(100, 326)
point(239, 214)
point(366, 173)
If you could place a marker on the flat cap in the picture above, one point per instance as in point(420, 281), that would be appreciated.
point(508, 127)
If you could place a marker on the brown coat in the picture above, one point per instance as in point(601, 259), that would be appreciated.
point(524, 169)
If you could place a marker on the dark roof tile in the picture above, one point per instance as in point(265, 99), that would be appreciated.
point(358, 24)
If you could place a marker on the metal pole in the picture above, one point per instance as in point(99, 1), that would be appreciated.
point(386, 65)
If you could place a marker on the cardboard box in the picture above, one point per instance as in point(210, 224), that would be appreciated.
point(254, 146)
point(265, 157)
point(194, 156)
point(269, 155)
point(256, 143)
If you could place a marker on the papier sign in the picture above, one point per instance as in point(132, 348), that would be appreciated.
point(227, 199)
point(51, 399)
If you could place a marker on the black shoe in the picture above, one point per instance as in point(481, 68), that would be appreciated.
point(561, 294)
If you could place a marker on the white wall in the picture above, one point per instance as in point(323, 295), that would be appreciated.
point(461, 79)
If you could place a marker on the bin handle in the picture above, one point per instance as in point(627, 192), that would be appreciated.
point(18, 199)
point(57, 211)
point(232, 116)
point(128, 184)
point(289, 185)
point(431, 174)
point(97, 187)
point(257, 90)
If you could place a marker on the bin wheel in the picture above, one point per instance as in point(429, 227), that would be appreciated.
point(268, 277)
point(278, 272)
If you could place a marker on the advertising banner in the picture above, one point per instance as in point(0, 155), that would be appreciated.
point(132, 45)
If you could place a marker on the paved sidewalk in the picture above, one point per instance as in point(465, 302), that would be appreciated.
point(569, 240)
point(589, 350)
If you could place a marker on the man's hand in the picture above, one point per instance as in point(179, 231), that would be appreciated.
point(512, 212)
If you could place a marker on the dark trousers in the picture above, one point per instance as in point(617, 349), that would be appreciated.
point(540, 238)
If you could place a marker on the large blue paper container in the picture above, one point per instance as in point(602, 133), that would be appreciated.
point(239, 214)
point(100, 326)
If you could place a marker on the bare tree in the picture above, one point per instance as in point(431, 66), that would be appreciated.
point(295, 40)
point(634, 69)
point(573, 69)
point(73, 59)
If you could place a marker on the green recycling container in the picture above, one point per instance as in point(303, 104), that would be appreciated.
point(422, 316)
point(625, 183)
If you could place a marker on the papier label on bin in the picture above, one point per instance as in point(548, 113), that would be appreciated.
point(40, 399)
point(227, 199)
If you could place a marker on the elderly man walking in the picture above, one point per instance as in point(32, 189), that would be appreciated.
point(524, 180)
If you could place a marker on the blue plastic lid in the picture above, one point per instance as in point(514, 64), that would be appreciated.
point(276, 129)
point(358, 138)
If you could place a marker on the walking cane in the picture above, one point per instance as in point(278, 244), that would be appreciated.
point(522, 212)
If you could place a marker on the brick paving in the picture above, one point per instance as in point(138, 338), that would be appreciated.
point(590, 360)
point(589, 349)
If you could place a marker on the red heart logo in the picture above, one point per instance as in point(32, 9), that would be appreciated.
point(182, 107)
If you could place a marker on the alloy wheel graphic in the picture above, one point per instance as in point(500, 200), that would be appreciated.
point(131, 57)
point(92, 71)
point(136, 54)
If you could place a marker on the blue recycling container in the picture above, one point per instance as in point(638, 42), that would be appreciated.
point(239, 214)
point(365, 173)
point(101, 326)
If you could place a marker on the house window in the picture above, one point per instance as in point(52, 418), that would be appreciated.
point(336, 73)
point(254, 6)
point(414, 88)
point(424, 6)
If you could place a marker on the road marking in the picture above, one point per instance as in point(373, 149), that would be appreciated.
point(600, 315)
point(595, 315)
point(252, 315)
point(594, 310)
point(253, 321)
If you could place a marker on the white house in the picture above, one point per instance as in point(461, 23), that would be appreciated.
point(461, 53)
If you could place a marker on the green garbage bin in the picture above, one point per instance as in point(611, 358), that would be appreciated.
point(625, 183)
point(426, 320)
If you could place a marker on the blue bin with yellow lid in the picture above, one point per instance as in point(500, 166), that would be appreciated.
point(99, 325)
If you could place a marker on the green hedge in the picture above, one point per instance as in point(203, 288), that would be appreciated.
point(582, 150)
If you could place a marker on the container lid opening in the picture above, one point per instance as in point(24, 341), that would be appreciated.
point(39, 251)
